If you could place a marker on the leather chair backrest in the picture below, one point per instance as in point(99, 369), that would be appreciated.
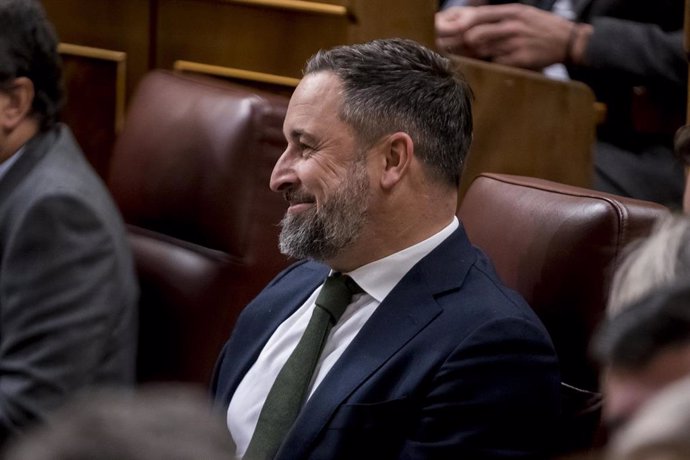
point(190, 173)
point(558, 246)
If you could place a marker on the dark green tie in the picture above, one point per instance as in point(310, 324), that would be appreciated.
point(289, 391)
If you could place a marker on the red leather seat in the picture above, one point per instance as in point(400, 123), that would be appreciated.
point(558, 246)
point(190, 173)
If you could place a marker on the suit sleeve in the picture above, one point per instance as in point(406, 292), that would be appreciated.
point(496, 397)
point(644, 52)
point(58, 281)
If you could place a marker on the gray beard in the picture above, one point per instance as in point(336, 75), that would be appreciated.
point(323, 234)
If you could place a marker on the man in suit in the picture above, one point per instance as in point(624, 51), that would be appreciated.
point(630, 53)
point(435, 358)
point(67, 286)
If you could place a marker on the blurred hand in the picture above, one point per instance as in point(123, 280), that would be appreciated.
point(512, 34)
point(451, 25)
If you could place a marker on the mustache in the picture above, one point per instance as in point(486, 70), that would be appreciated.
point(295, 197)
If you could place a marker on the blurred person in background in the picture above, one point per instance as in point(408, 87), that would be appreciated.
point(659, 431)
point(652, 262)
point(157, 422)
point(682, 149)
point(642, 349)
point(68, 292)
point(629, 52)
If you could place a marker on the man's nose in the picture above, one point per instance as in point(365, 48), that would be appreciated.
point(283, 176)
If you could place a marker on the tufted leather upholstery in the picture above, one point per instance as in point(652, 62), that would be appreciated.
point(190, 173)
point(558, 246)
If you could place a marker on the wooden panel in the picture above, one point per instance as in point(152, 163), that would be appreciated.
point(272, 37)
point(121, 25)
point(278, 36)
point(529, 125)
point(262, 81)
point(94, 109)
point(393, 18)
point(334, 8)
point(267, 40)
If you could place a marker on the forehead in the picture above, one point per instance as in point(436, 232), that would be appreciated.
point(315, 104)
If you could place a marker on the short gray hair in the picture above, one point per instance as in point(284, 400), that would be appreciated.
point(652, 262)
point(396, 85)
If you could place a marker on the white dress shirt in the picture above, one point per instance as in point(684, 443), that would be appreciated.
point(377, 279)
point(563, 8)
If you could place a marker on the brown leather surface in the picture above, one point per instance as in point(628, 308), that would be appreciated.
point(190, 173)
point(558, 246)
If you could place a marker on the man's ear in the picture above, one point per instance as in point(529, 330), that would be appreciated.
point(398, 157)
point(18, 103)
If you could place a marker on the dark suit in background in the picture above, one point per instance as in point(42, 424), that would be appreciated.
point(637, 67)
point(635, 63)
point(451, 365)
point(67, 288)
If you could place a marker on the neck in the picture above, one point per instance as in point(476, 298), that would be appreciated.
point(397, 227)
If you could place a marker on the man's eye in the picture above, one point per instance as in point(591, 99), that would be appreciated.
point(305, 148)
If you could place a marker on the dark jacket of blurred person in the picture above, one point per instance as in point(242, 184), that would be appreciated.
point(632, 57)
point(67, 286)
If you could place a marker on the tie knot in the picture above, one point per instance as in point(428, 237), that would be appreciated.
point(336, 294)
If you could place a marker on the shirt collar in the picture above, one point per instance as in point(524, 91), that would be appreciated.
point(7, 164)
point(378, 278)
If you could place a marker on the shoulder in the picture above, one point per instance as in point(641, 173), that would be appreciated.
point(492, 304)
point(458, 272)
point(62, 168)
point(471, 295)
point(60, 178)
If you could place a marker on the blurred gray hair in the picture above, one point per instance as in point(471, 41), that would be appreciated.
point(159, 422)
point(653, 262)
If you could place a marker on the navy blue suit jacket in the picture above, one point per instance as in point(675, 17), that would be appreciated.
point(451, 365)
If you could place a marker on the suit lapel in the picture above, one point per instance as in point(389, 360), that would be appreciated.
point(403, 314)
point(34, 151)
point(267, 312)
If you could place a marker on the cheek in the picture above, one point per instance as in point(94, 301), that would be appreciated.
point(327, 189)
point(324, 184)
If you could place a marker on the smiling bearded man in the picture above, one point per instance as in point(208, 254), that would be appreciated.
point(320, 233)
point(393, 337)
